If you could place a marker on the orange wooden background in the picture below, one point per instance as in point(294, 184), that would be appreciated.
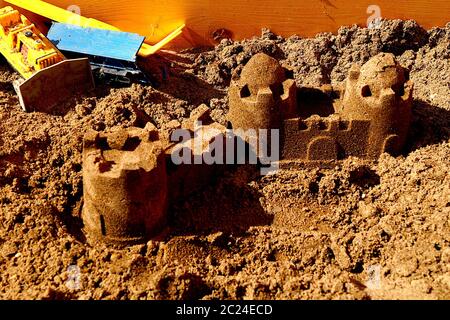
point(245, 18)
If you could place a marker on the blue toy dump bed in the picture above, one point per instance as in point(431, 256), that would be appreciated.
point(96, 42)
point(112, 54)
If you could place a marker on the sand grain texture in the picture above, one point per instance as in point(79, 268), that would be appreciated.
point(363, 230)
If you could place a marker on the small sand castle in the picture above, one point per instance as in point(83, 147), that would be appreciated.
point(371, 115)
point(130, 177)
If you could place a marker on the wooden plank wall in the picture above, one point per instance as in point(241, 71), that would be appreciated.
point(245, 18)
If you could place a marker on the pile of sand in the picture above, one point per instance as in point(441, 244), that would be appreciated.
point(361, 230)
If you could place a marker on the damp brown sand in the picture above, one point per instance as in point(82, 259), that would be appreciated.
point(362, 230)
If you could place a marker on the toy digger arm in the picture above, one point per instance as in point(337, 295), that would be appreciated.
point(60, 15)
point(147, 50)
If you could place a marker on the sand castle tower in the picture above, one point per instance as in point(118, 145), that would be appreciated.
point(380, 91)
point(125, 185)
point(262, 96)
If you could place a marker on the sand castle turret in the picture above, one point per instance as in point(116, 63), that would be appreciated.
point(262, 96)
point(125, 185)
point(380, 92)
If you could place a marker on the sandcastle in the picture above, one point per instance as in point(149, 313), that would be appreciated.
point(131, 176)
point(371, 115)
point(125, 184)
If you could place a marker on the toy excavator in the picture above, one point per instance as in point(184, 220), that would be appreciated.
point(112, 53)
point(48, 77)
point(57, 14)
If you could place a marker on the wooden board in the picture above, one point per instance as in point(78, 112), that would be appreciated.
point(245, 18)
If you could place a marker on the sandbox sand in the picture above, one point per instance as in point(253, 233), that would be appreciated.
point(362, 230)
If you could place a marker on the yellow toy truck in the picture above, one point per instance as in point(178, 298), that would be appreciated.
point(48, 78)
point(23, 45)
